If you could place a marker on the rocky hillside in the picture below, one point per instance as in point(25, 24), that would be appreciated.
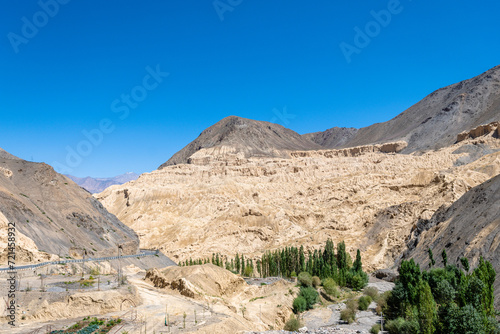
point(53, 215)
point(470, 228)
point(237, 138)
point(365, 196)
point(333, 138)
point(432, 123)
point(97, 185)
point(6, 155)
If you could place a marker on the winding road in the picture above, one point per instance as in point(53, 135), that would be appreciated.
point(143, 253)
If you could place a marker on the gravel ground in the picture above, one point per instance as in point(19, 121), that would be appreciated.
point(325, 320)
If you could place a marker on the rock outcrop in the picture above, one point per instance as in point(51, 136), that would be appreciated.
point(353, 151)
point(482, 130)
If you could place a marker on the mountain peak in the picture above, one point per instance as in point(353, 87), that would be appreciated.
point(247, 137)
point(6, 155)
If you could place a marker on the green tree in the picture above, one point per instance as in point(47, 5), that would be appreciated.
point(466, 320)
point(305, 279)
point(426, 308)
point(445, 258)
point(465, 263)
point(302, 261)
point(310, 295)
point(357, 266)
point(299, 305)
point(237, 263)
point(432, 262)
point(242, 265)
point(342, 261)
point(487, 275)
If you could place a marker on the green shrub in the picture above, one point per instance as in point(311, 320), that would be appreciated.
point(293, 324)
point(305, 279)
point(375, 329)
point(357, 280)
point(372, 292)
point(248, 271)
point(316, 282)
point(331, 287)
point(352, 304)
point(401, 326)
point(299, 305)
point(382, 302)
point(364, 302)
point(310, 295)
point(348, 315)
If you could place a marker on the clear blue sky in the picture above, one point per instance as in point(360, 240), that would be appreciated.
point(72, 73)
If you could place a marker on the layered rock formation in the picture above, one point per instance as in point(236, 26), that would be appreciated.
point(371, 200)
point(237, 305)
point(492, 129)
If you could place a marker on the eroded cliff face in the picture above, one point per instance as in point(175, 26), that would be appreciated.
point(370, 199)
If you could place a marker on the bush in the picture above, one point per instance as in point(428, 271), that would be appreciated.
point(382, 302)
point(348, 315)
point(299, 304)
point(305, 279)
point(372, 292)
point(293, 324)
point(316, 282)
point(248, 271)
point(310, 295)
point(375, 329)
point(357, 280)
point(352, 304)
point(401, 326)
point(331, 287)
point(364, 302)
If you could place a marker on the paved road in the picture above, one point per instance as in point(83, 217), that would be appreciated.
point(143, 253)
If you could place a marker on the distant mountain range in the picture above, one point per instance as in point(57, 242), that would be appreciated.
point(97, 185)
point(432, 123)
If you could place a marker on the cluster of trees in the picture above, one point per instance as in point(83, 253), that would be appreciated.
point(443, 300)
point(237, 265)
point(287, 262)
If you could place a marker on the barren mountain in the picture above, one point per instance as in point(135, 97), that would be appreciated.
point(242, 138)
point(470, 228)
point(332, 138)
point(432, 123)
point(97, 185)
point(53, 215)
point(6, 155)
